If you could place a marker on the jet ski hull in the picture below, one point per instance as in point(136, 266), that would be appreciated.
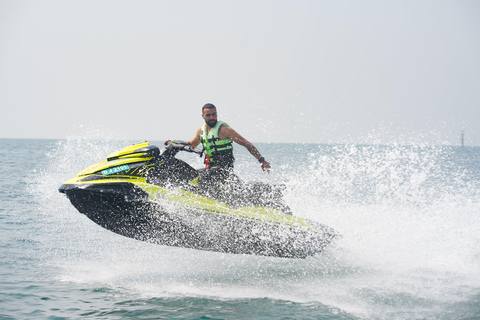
point(187, 220)
point(147, 194)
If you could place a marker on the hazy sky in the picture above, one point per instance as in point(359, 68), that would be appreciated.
point(279, 71)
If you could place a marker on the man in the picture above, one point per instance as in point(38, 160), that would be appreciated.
point(216, 138)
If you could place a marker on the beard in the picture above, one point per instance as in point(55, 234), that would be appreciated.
point(211, 123)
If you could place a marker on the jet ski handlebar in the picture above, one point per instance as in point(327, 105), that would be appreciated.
point(174, 146)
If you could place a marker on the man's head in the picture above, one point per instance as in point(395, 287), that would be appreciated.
point(209, 114)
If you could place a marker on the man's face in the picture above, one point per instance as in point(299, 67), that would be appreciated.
point(210, 117)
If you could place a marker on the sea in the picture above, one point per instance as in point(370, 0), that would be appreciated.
point(409, 217)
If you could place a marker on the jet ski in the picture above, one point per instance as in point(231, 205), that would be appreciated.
point(148, 194)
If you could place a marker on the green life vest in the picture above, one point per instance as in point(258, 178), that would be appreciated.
point(220, 152)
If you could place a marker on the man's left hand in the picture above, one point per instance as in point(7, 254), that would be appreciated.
point(265, 166)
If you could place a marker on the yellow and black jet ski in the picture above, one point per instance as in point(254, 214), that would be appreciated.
point(148, 194)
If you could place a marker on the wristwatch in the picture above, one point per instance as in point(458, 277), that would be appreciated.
point(261, 159)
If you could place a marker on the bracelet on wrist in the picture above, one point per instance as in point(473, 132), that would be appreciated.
point(261, 159)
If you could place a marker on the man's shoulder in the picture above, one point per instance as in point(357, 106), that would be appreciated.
point(224, 127)
point(223, 123)
point(226, 132)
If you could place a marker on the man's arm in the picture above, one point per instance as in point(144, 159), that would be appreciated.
point(229, 133)
point(196, 140)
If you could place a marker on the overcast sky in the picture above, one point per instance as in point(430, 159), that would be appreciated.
point(278, 71)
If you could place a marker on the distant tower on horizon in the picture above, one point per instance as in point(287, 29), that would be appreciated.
point(463, 137)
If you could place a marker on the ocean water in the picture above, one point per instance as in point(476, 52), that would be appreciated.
point(410, 248)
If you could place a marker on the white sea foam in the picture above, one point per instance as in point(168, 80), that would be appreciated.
point(408, 217)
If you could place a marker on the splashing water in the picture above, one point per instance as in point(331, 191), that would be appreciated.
point(409, 217)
